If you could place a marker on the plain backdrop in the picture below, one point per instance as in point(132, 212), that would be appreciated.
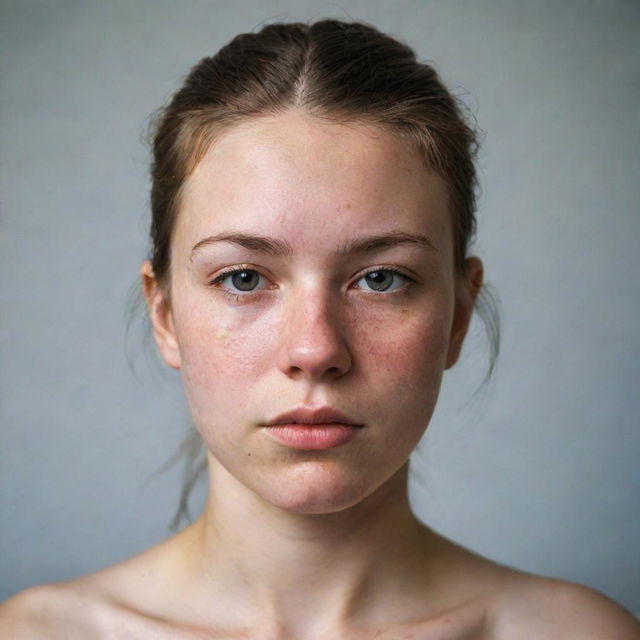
point(539, 470)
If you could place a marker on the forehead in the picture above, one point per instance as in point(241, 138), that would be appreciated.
point(298, 168)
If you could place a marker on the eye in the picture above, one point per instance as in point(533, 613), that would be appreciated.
point(240, 280)
point(384, 279)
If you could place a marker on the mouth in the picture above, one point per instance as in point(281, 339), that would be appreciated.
point(313, 429)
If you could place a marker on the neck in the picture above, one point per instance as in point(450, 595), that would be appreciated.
point(307, 572)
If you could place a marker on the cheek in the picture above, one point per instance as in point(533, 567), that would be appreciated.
point(212, 360)
point(223, 352)
point(402, 357)
point(408, 343)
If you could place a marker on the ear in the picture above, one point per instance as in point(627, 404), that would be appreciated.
point(159, 309)
point(468, 287)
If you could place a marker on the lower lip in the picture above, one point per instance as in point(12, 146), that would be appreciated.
point(313, 437)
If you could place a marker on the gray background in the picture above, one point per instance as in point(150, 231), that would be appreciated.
point(539, 471)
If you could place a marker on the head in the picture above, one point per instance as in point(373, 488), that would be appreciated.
point(312, 207)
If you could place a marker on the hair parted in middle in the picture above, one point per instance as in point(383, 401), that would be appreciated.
point(334, 70)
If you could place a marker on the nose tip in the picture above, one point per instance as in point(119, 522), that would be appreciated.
point(316, 363)
point(314, 345)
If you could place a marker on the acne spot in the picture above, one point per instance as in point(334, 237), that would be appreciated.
point(221, 335)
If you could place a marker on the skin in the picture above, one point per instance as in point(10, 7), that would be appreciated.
point(312, 544)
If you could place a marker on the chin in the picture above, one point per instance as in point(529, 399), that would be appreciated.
point(312, 488)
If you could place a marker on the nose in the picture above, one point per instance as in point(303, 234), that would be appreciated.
point(313, 345)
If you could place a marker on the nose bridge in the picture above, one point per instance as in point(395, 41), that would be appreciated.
point(313, 343)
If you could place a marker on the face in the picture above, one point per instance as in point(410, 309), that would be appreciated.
point(312, 266)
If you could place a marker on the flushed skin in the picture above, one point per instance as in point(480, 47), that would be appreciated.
point(312, 544)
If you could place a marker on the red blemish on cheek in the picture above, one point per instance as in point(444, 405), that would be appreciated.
point(407, 343)
point(382, 339)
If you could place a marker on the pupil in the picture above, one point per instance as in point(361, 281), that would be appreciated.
point(379, 280)
point(245, 280)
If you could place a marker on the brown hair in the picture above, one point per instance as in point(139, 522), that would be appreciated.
point(335, 70)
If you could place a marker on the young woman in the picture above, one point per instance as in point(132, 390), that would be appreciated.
point(312, 203)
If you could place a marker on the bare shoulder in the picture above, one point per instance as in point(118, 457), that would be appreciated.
point(507, 604)
point(118, 601)
point(550, 609)
point(49, 612)
point(93, 607)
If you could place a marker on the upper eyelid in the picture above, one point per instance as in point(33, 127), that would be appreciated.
point(223, 275)
point(231, 270)
point(228, 271)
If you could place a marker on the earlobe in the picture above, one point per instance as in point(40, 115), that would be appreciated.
point(159, 310)
point(467, 289)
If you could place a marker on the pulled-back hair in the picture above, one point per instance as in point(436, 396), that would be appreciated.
point(344, 72)
point(335, 70)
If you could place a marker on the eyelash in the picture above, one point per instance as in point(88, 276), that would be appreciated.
point(236, 296)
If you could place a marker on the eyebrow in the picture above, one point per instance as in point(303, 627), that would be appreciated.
point(275, 247)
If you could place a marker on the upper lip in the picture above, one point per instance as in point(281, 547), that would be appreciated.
point(306, 415)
